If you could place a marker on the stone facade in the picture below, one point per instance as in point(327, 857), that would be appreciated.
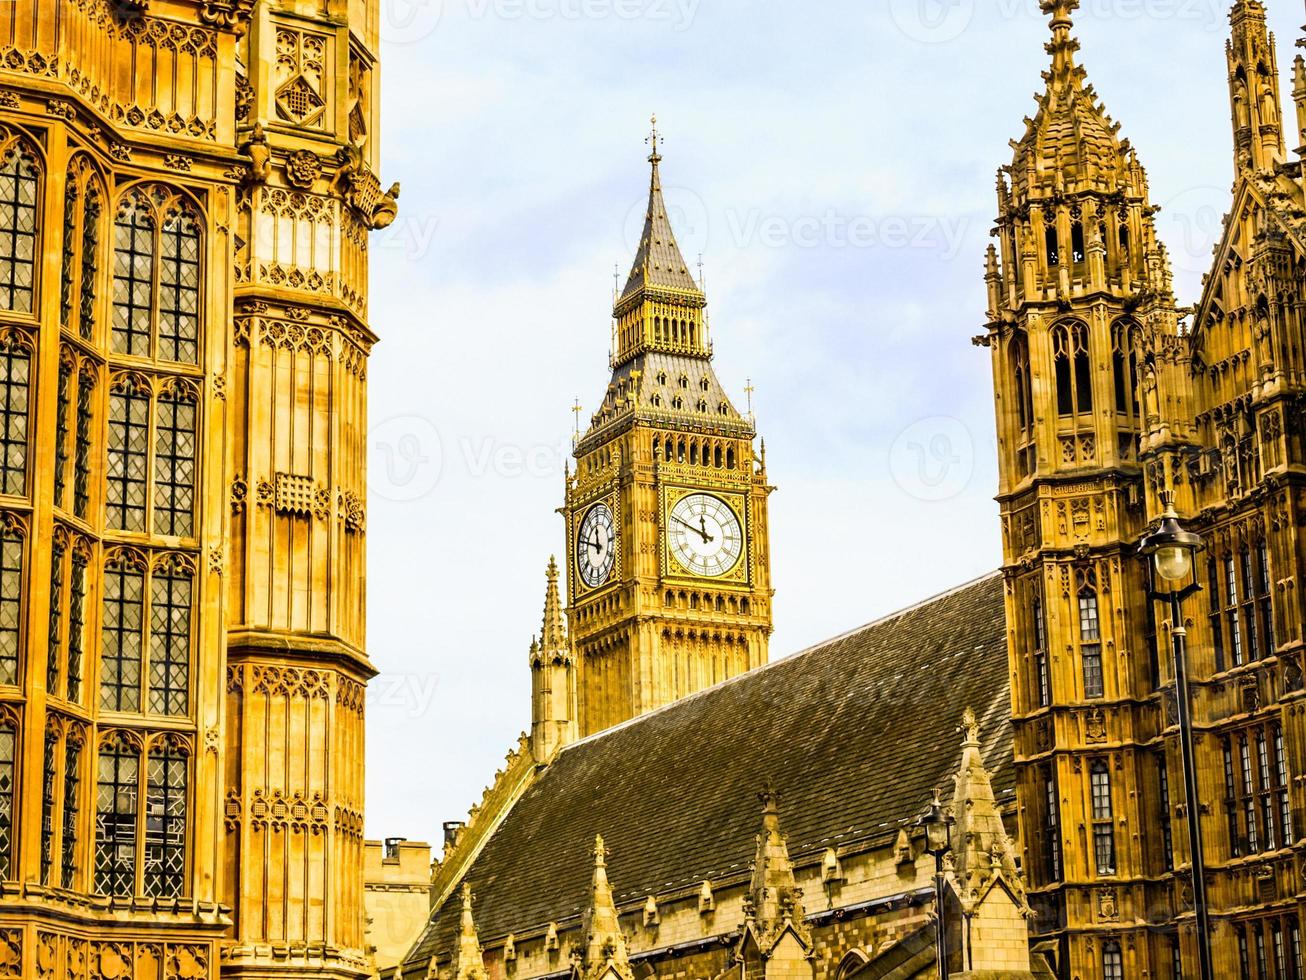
point(396, 896)
point(1109, 397)
point(188, 186)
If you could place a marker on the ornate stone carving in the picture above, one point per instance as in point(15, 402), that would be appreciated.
point(303, 168)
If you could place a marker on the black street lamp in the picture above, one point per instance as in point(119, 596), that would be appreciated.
point(1172, 550)
point(938, 842)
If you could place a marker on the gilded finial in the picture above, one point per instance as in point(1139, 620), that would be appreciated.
point(653, 137)
point(970, 727)
point(600, 852)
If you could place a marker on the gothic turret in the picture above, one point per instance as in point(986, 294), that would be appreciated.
point(777, 939)
point(1254, 89)
point(606, 956)
point(553, 679)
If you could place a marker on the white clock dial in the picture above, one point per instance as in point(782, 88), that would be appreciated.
point(705, 535)
point(596, 546)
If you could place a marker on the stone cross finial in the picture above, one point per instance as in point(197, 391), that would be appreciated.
point(970, 727)
point(600, 852)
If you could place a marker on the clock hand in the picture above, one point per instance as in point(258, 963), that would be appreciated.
point(702, 533)
point(707, 539)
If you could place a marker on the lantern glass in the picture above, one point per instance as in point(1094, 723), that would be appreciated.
point(1174, 562)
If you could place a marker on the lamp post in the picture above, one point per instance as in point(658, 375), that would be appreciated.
point(938, 842)
point(1172, 549)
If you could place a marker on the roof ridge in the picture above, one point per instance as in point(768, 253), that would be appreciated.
point(787, 658)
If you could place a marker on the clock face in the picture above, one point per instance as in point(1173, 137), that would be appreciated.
point(705, 535)
point(596, 546)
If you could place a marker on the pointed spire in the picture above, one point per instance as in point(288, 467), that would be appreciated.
point(605, 944)
point(1254, 89)
point(774, 900)
point(659, 264)
point(1062, 46)
point(553, 637)
point(468, 961)
point(982, 851)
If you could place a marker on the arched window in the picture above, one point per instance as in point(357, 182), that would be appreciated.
point(8, 753)
point(72, 809)
point(716, 457)
point(693, 454)
point(669, 451)
point(49, 783)
point(122, 632)
point(11, 599)
point(54, 659)
point(76, 624)
point(156, 278)
point(730, 458)
point(129, 448)
point(1022, 383)
point(657, 448)
point(1113, 964)
point(1124, 243)
point(1104, 831)
point(1053, 245)
point(15, 381)
point(63, 411)
point(1052, 813)
point(165, 823)
point(116, 808)
point(1124, 362)
point(83, 208)
point(19, 191)
point(170, 636)
point(1090, 637)
point(1074, 372)
point(174, 462)
point(1042, 679)
point(1077, 250)
point(86, 384)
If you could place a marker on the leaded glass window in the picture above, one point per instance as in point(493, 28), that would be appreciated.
point(156, 278)
point(63, 408)
point(54, 661)
point(90, 261)
point(76, 625)
point(129, 447)
point(174, 465)
point(120, 672)
point(1104, 833)
point(15, 378)
point(18, 221)
point(1090, 643)
point(179, 290)
point(117, 799)
point(165, 821)
point(72, 810)
point(82, 453)
point(133, 276)
point(170, 627)
point(68, 279)
point(11, 602)
point(49, 782)
point(8, 747)
point(1052, 857)
point(1113, 964)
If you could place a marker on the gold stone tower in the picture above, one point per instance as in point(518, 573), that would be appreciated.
point(186, 190)
point(1107, 401)
point(667, 544)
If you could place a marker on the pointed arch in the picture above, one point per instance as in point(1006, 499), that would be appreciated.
point(1074, 375)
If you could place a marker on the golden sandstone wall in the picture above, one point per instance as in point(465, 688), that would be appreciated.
point(186, 190)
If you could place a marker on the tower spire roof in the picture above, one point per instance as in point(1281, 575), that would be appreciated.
point(553, 636)
point(659, 264)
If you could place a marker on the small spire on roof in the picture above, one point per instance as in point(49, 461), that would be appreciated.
point(654, 158)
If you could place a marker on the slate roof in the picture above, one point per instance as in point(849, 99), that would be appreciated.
point(854, 733)
point(658, 261)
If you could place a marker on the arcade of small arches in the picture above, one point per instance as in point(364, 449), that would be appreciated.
point(707, 601)
point(690, 451)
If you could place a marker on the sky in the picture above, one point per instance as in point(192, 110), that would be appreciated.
point(834, 164)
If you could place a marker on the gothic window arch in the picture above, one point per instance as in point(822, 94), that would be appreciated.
point(1052, 826)
point(13, 536)
point(1078, 251)
point(82, 234)
point(20, 187)
point(1022, 388)
point(16, 351)
point(122, 631)
point(157, 275)
point(174, 460)
point(49, 787)
point(1070, 350)
point(1125, 345)
point(83, 432)
point(1090, 635)
point(1113, 963)
point(171, 586)
point(1042, 677)
point(1104, 831)
point(117, 808)
point(63, 411)
point(128, 452)
point(72, 808)
point(8, 774)
point(167, 786)
point(1052, 244)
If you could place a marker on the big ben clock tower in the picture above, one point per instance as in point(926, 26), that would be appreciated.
point(667, 545)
